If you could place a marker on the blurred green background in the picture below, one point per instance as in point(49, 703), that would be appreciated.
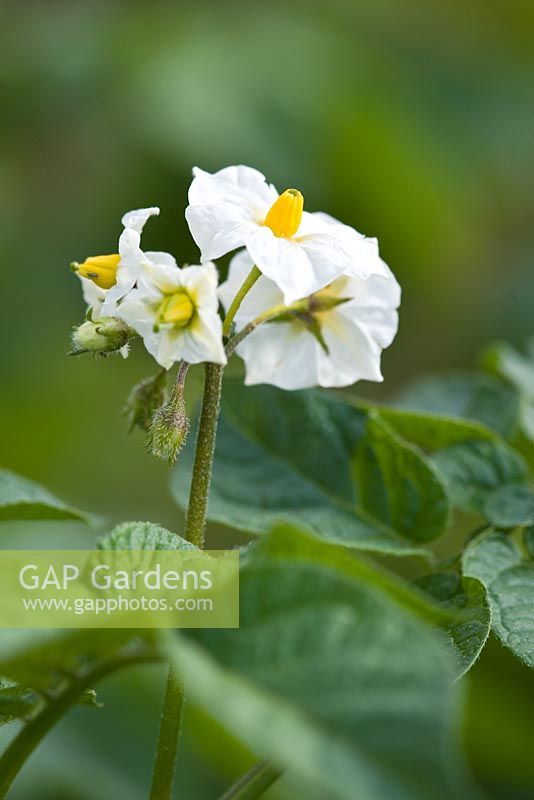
point(412, 121)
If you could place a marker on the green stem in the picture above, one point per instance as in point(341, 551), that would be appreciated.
point(169, 735)
point(253, 783)
point(205, 448)
point(34, 731)
point(248, 283)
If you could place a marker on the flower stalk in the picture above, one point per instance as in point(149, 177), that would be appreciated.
point(247, 285)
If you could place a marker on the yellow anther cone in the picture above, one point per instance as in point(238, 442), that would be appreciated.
point(285, 214)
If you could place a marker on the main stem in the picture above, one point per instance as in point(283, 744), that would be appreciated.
point(205, 449)
point(168, 739)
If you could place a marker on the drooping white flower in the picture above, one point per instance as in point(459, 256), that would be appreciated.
point(299, 251)
point(332, 345)
point(176, 312)
point(107, 279)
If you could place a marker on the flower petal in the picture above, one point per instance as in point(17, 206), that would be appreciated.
point(218, 229)
point(353, 354)
point(296, 269)
point(325, 238)
point(225, 206)
point(283, 354)
point(137, 219)
point(201, 284)
point(93, 295)
point(241, 186)
point(202, 340)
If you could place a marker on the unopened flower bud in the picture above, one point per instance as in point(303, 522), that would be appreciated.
point(144, 399)
point(102, 270)
point(105, 335)
point(169, 427)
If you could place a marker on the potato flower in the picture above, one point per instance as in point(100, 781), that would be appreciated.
point(176, 313)
point(299, 251)
point(336, 342)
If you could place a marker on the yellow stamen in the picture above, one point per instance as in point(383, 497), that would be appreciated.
point(177, 309)
point(285, 214)
point(102, 270)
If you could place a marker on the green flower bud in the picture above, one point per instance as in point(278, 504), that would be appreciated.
point(105, 335)
point(169, 427)
point(144, 399)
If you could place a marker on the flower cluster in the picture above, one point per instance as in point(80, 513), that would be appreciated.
point(310, 299)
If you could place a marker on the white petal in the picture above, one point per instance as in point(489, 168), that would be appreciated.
point(201, 284)
point(225, 206)
point(202, 340)
point(374, 306)
point(93, 295)
point(136, 219)
point(264, 294)
point(352, 353)
point(283, 354)
point(324, 237)
point(218, 229)
point(297, 269)
point(165, 259)
point(240, 186)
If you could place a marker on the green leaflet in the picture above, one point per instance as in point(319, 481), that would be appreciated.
point(518, 369)
point(483, 477)
point(143, 536)
point(466, 600)
point(497, 562)
point(333, 678)
point(22, 499)
point(474, 396)
point(311, 460)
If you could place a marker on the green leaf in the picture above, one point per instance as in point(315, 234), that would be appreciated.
point(289, 543)
point(433, 431)
point(334, 679)
point(466, 599)
point(474, 396)
point(496, 561)
point(313, 461)
point(511, 505)
point(143, 536)
point(475, 471)
point(22, 499)
point(38, 659)
point(518, 369)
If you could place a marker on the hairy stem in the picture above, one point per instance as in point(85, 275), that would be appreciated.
point(169, 735)
point(34, 731)
point(253, 783)
point(247, 285)
point(207, 432)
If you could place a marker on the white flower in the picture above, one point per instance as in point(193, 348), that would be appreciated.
point(107, 279)
point(300, 252)
point(333, 345)
point(176, 312)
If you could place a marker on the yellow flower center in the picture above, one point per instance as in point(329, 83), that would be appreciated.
point(177, 309)
point(285, 214)
point(102, 270)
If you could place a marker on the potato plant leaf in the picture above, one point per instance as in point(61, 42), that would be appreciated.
point(314, 461)
point(331, 677)
point(23, 499)
point(508, 575)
